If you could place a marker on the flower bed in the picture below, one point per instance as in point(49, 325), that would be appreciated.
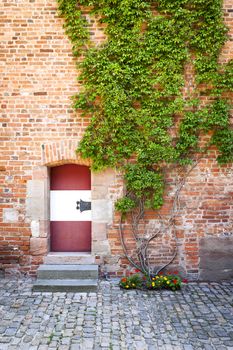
point(153, 282)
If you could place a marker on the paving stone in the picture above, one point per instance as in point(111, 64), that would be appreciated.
point(197, 317)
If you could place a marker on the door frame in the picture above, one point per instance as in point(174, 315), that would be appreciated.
point(38, 207)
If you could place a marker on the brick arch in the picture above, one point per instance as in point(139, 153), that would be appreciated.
point(62, 152)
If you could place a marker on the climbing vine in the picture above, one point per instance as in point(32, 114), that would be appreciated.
point(135, 90)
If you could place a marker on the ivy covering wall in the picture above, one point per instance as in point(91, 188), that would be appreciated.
point(145, 113)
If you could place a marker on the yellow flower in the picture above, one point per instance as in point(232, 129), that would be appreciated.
point(127, 286)
point(165, 278)
point(153, 279)
point(157, 277)
point(168, 282)
point(133, 284)
point(153, 284)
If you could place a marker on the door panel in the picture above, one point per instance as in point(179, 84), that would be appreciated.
point(63, 205)
point(70, 236)
point(70, 177)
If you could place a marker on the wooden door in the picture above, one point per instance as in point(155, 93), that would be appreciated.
point(70, 225)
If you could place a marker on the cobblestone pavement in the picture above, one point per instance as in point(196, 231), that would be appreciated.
point(200, 316)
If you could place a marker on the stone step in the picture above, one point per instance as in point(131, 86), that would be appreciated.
point(58, 285)
point(67, 272)
point(57, 258)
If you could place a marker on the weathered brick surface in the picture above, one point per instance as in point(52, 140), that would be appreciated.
point(39, 130)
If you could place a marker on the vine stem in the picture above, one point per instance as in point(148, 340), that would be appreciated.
point(142, 251)
point(124, 246)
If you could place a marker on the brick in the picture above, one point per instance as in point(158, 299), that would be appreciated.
point(40, 130)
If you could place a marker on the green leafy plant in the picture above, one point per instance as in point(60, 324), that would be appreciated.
point(131, 282)
point(134, 88)
point(133, 83)
point(154, 282)
point(125, 205)
point(160, 281)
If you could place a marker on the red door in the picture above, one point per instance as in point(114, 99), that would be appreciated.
point(70, 208)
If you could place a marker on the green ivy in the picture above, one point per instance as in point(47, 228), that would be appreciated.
point(75, 24)
point(133, 87)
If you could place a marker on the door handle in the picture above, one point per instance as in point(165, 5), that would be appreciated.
point(83, 206)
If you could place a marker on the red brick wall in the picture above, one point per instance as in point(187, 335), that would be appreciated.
point(38, 78)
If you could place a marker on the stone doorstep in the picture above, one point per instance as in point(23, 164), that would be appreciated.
point(66, 258)
point(58, 285)
point(67, 272)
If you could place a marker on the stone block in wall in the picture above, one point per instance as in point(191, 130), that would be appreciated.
point(99, 231)
point(36, 207)
point(216, 258)
point(106, 178)
point(44, 228)
point(102, 210)
point(99, 192)
point(10, 215)
point(35, 228)
point(38, 246)
point(35, 188)
point(111, 264)
point(40, 173)
point(101, 247)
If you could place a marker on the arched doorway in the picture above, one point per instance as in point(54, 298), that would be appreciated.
point(70, 208)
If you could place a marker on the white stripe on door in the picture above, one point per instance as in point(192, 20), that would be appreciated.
point(63, 205)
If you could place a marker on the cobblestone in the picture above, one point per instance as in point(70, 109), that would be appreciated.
point(200, 316)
